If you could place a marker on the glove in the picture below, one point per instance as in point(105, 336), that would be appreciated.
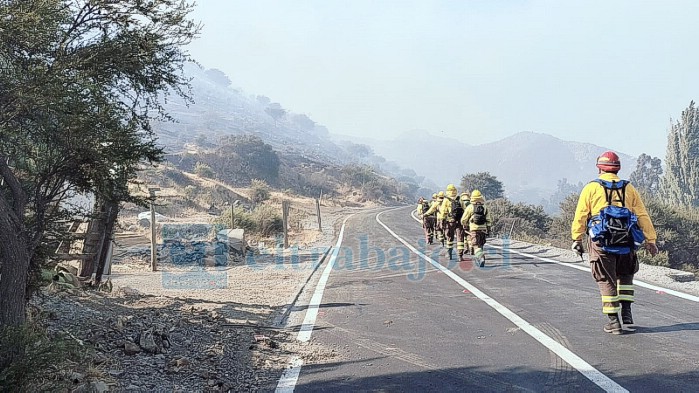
point(652, 248)
point(578, 247)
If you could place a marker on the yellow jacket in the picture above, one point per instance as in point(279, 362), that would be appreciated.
point(435, 207)
point(593, 199)
point(420, 208)
point(468, 213)
point(446, 204)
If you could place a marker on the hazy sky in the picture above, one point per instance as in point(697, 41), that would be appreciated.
point(607, 72)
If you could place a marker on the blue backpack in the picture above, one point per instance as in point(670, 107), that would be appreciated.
point(615, 229)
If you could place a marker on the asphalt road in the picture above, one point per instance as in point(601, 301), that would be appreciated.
point(402, 324)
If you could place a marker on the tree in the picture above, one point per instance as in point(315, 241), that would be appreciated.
point(255, 158)
point(563, 190)
point(559, 230)
point(78, 92)
point(359, 150)
point(680, 185)
point(259, 191)
point(276, 111)
point(203, 170)
point(304, 122)
point(358, 175)
point(488, 184)
point(217, 76)
point(647, 175)
point(264, 100)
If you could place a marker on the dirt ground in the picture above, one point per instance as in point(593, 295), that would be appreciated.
point(194, 327)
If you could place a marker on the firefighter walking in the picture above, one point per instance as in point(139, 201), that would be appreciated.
point(436, 208)
point(477, 219)
point(452, 210)
point(613, 265)
point(428, 220)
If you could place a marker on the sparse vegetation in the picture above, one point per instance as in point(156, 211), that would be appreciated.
point(263, 220)
point(203, 170)
point(30, 360)
point(259, 191)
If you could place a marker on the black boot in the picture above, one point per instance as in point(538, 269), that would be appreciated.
point(614, 325)
point(451, 253)
point(626, 316)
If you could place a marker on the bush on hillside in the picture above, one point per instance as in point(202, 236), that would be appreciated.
point(263, 220)
point(203, 170)
point(259, 191)
point(523, 220)
point(29, 359)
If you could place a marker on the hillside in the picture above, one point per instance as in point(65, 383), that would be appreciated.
point(529, 164)
point(222, 113)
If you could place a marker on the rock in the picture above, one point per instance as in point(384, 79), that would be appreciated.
point(147, 342)
point(99, 359)
point(234, 239)
point(682, 276)
point(76, 377)
point(99, 387)
point(127, 291)
point(131, 348)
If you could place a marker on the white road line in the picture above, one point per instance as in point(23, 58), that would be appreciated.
point(287, 382)
point(564, 353)
point(643, 284)
point(312, 311)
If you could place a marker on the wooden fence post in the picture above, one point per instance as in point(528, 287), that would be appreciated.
point(320, 226)
point(285, 219)
point(153, 238)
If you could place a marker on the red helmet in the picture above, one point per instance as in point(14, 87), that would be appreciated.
point(609, 162)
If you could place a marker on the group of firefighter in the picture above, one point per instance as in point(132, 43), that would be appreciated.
point(609, 211)
point(456, 218)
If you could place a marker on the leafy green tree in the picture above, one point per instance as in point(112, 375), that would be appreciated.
point(250, 155)
point(80, 83)
point(358, 175)
point(680, 185)
point(647, 175)
point(488, 184)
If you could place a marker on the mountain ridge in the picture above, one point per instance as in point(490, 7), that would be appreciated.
point(529, 164)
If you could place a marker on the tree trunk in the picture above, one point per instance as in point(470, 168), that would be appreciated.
point(110, 217)
point(13, 274)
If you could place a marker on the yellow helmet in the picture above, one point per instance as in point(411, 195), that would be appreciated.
point(451, 187)
point(476, 194)
point(441, 194)
point(465, 195)
point(434, 196)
